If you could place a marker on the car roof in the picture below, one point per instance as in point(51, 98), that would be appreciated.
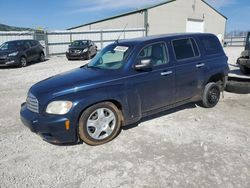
point(153, 38)
point(80, 40)
point(21, 40)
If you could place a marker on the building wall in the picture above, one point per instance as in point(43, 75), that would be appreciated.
point(172, 17)
point(167, 18)
point(135, 20)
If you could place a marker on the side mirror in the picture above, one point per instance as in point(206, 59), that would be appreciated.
point(144, 64)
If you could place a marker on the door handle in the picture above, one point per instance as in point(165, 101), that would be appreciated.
point(166, 73)
point(200, 65)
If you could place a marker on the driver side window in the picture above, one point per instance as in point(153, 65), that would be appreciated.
point(156, 53)
point(27, 45)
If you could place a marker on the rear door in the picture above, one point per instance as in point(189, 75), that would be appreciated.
point(36, 49)
point(188, 67)
point(28, 50)
point(92, 48)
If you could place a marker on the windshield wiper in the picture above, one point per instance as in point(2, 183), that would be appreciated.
point(92, 67)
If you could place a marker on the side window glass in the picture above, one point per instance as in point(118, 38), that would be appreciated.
point(196, 51)
point(33, 43)
point(183, 49)
point(27, 45)
point(211, 45)
point(156, 53)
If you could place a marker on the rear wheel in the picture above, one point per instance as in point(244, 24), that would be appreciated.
point(42, 57)
point(23, 62)
point(244, 69)
point(100, 123)
point(211, 95)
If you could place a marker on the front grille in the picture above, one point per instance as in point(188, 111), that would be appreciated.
point(32, 103)
point(76, 51)
point(3, 57)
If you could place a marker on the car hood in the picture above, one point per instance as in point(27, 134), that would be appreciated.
point(70, 82)
point(78, 47)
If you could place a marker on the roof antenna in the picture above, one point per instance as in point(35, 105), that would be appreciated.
point(121, 33)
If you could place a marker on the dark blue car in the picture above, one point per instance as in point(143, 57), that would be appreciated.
point(126, 81)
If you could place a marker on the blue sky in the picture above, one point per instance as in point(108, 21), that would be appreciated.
point(62, 14)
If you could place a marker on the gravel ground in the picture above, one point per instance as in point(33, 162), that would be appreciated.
point(185, 147)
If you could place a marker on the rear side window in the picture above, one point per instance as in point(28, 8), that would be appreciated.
point(211, 45)
point(185, 48)
point(33, 43)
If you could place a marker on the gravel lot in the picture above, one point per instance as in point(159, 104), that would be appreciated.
point(185, 147)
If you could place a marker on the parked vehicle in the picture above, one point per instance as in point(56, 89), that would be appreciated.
point(244, 60)
point(81, 49)
point(20, 53)
point(126, 81)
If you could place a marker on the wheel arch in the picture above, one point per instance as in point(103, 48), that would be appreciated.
point(219, 78)
point(116, 102)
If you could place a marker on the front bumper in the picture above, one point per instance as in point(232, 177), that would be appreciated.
point(51, 128)
point(77, 55)
point(9, 61)
point(244, 62)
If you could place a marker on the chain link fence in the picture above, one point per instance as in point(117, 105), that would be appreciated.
point(57, 42)
point(235, 41)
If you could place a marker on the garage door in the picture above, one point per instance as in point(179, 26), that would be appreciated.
point(195, 26)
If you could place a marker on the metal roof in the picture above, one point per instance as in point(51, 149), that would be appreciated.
point(140, 10)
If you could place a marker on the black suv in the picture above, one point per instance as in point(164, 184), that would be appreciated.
point(20, 53)
point(81, 49)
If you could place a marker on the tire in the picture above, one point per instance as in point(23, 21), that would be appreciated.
point(100, 124)
point(211, 95)
point(244, 69)
point(238, 86)
point(42, 57)
point(23, 62)
point(89, 56)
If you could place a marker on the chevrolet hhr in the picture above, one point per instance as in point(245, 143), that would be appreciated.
point(126, 81)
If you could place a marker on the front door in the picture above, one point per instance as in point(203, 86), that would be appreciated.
point(155, 87)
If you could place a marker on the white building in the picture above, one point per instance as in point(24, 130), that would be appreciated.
point(172, 16)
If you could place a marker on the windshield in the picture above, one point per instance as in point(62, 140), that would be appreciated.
point(112, 57)
point(9, 46)
point(79, 43)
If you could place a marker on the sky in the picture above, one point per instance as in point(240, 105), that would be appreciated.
point(63, 14)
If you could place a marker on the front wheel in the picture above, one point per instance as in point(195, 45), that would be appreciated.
point(100, 123)
point(211, 95)
point(23, 62)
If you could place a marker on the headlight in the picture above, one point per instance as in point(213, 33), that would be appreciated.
point(13, 54)
point(67, 51)
point(85, 50)
point(59, 107)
